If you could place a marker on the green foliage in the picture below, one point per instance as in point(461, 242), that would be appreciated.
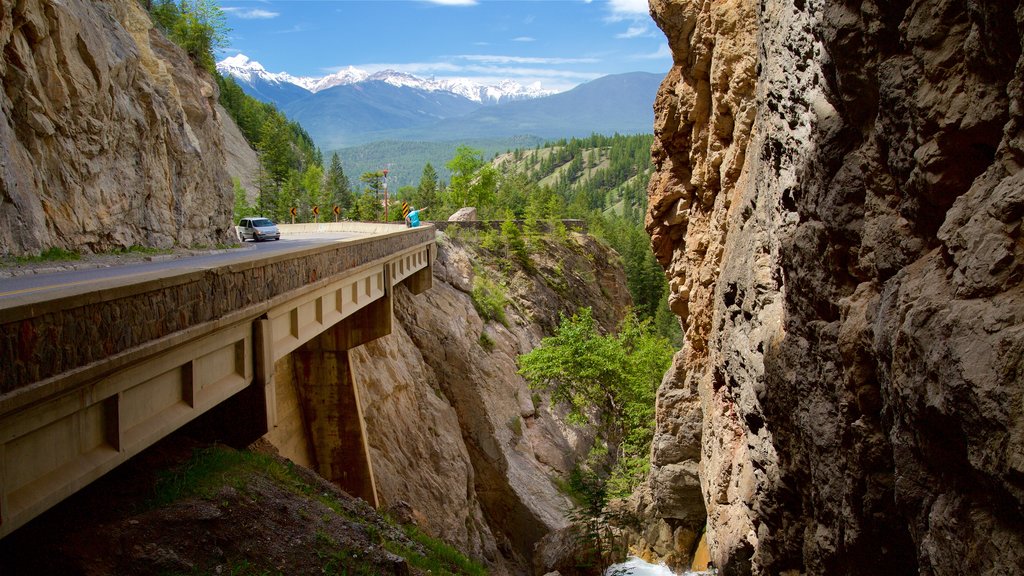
point(489, 299)
point(440, 558)
point(241, 206)
point(486, 342)
point(427, 192)
point(211, 468)
point(369, 203)
point(290, 167)
point(513, 239)
point(491, 240)
point(616, 374)
point(473, 182)
point(336, 185)
point(198, 26)
point(53, 254)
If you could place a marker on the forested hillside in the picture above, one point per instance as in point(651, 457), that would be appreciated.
point(599, 179)
point(603, 180)
point(291, 168)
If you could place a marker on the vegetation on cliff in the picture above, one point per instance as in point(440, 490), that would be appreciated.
point(198, 26)
point(612, 375)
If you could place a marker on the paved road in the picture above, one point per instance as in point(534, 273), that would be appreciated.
point(17, 288)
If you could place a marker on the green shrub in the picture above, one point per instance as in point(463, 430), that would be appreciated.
point(489, 299)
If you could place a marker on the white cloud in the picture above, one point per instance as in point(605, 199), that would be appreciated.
point(629, 6)
point(250, 13)
point(628, 10)
point(634, 32)
point(489, 72)
point(661, 52)
point(524, 39)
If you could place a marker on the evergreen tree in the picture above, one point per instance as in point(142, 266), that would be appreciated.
point(314, 193)
point(513, 239)
point(374, 190)
point(426, 193)
point(336, 185)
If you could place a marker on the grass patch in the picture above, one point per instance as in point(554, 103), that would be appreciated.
point(214, 467)
point(338, 561)
point(54, 254)
point(440, 558)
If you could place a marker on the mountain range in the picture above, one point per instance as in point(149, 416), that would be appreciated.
point(352, 107)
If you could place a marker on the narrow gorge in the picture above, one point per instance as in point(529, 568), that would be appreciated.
point(838, 205)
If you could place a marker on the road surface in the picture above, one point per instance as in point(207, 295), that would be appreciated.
point(16, 289)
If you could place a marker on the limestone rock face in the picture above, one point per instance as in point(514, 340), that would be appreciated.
point(453, 430)
point(838, 204)
point(109, 136)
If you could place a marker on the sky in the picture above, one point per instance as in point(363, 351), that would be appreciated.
point(559, 43)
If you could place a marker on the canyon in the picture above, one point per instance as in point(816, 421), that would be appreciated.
point(837, 204)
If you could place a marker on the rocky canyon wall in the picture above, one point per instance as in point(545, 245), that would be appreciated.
point(109, 136)
point(838, 205)
point(454, 431)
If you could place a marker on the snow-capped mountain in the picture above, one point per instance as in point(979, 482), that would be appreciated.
point(246, 70)
point(353, 106)
point(252, 73)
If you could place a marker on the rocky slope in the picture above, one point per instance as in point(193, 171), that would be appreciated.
point(453, 430)
point(838, 206)
point(109, 136)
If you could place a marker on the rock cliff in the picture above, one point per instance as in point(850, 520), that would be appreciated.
point(453, 430)
point(838, 205)
point(109, 136)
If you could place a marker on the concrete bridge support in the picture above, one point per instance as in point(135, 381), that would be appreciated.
point(316, 381)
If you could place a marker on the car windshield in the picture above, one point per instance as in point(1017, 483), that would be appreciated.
point(262, 223)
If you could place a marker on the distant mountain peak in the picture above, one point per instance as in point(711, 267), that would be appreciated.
point(247, 70)
point(243, 68)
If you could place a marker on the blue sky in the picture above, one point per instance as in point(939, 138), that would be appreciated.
point(560, 43)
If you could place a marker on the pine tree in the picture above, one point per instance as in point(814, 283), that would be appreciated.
point(426, 192)
point(336, 185)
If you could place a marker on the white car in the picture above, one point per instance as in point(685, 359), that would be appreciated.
point(257, 229)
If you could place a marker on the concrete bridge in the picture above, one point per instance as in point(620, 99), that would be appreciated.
point(90, 378)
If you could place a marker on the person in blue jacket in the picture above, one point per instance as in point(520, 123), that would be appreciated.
point(413, 219)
